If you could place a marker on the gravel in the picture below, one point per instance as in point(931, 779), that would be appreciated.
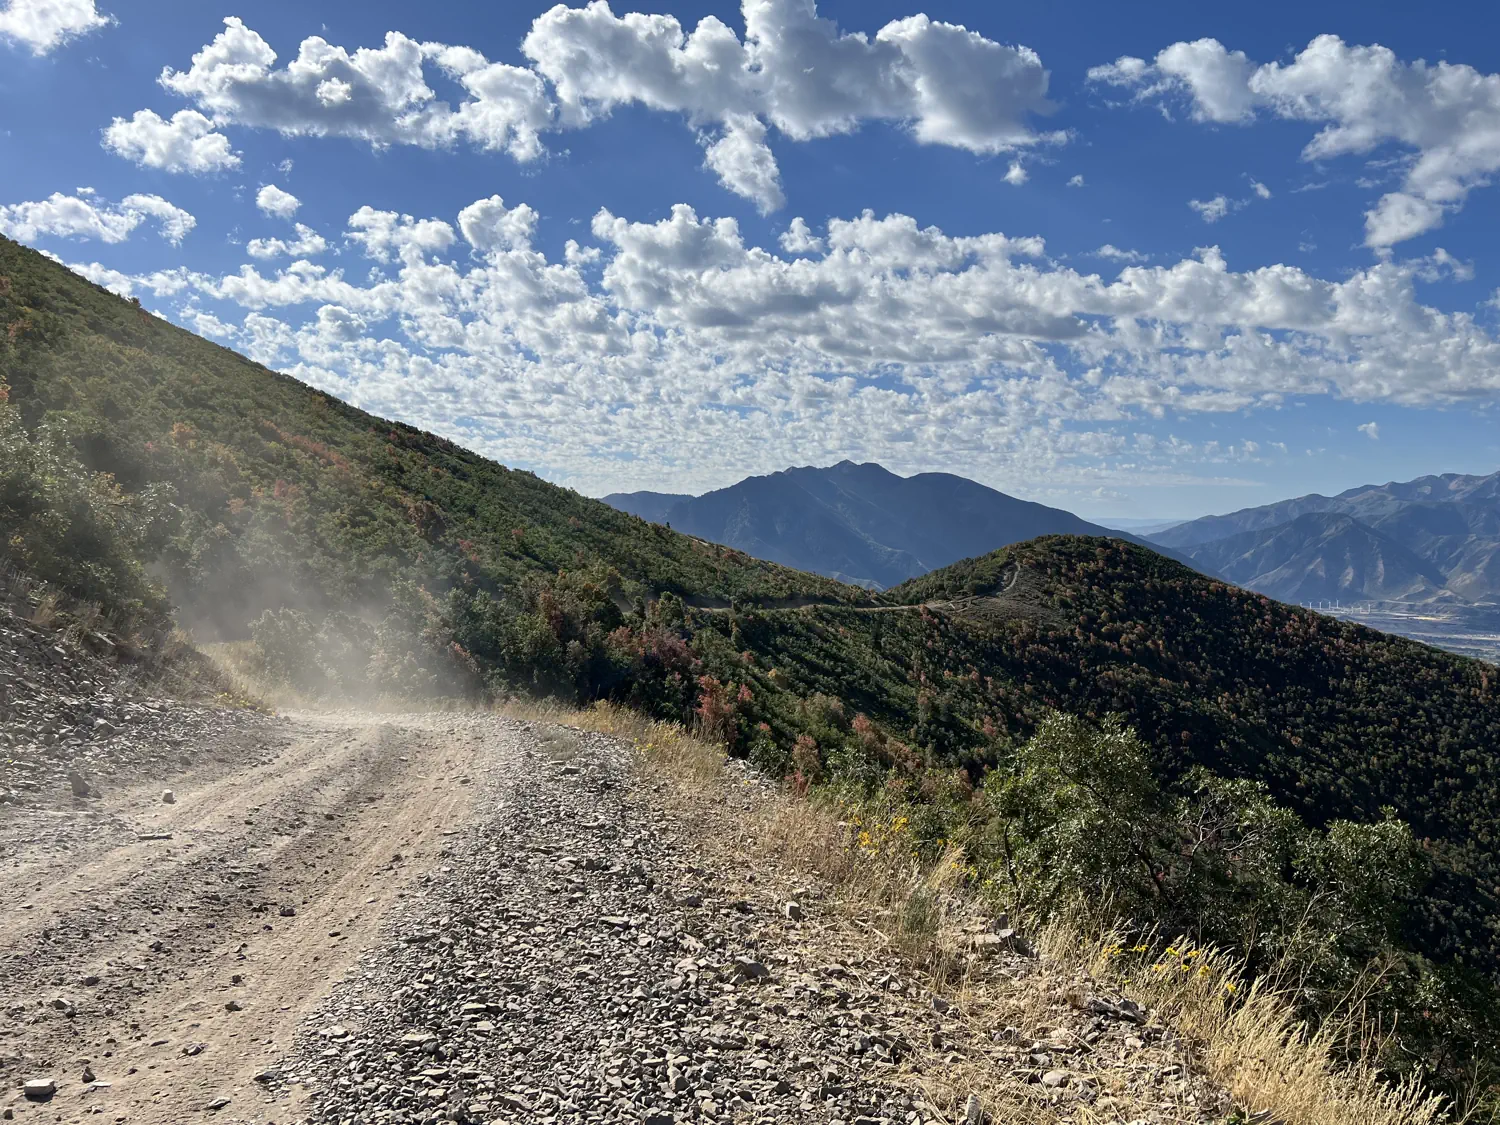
point(568, 961)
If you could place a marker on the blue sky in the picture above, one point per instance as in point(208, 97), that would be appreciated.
point(1135, 264)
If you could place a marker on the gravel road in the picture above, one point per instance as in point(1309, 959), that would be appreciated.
point(463, 917)
point(414, 918)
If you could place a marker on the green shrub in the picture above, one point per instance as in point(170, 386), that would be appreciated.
point(79, 530)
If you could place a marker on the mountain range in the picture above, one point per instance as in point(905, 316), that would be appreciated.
point(1431, 541)
point(859, 523)
point(153, 479)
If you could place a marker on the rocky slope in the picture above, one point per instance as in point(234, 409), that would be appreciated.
point(77, 721)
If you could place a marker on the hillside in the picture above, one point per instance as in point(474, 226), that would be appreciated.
point(858, 523)
point(1369, 502)
point(1335, 720)
point(653, 507)
point(289, 497)
point(360, 554)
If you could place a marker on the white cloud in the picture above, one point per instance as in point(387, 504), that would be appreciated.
point(308, 244)
point(1363, 97)
point(1371, 430)
point(1015, 175)
point(1115, 254)
point(277, 202)
point(186, 143)
point(1211, 210)
point(798, 238)
point(489, 225)
point(793, 70)
point(1076, 181)
point(384, 233)
point(379, 95)
point(745, 163)
point(870, 337)
point(1260, 189)
point(81, 216)
point(44, 25)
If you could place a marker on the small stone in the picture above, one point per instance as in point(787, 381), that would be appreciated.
point(168, 797)
point(79, 784)
point(234, 1006)
point(39, 1089)
point(939, 1005)
point(750, 969)
point(1055, 1078)
point(217, 1104)
point(88, 1073)
point(973, 1111)
point(793, 911)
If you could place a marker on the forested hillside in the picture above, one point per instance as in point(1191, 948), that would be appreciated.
point(288, 496)
point(1305, 791)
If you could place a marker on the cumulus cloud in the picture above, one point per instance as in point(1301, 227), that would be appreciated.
point(186, 143)
point(793, 71)
point(1362, 97)
point(1113, 253)
point(1371, 430)
point(277, 202)
point(745, 163)
point(374, 94)
point(384, 234)
point(83, 216)
point(308, 244)
point(489, 225)
point(798, 238)
point(1211, 210)
point(44, 25)
point(688, 344)
point(1016, 174)
point(1076, 181)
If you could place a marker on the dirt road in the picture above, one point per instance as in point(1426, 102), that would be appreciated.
point(169, 949)
point(428, 918)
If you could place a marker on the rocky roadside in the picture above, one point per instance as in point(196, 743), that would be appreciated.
point(74, 721)
point(584, 954)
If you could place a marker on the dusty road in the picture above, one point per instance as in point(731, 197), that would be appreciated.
point(128, 932)
point(421, 918)
point(432, 918)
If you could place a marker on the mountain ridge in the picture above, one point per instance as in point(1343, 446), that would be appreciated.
point(1440, 532)
point(859, 522)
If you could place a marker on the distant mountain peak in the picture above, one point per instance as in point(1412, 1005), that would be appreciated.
point(858, 521)
point(1432, 539)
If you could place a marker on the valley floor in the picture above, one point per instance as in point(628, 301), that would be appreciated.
point(464, 917)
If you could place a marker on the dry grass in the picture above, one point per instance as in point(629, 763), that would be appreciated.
point(1249, 1038)
point(1245, 1039)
